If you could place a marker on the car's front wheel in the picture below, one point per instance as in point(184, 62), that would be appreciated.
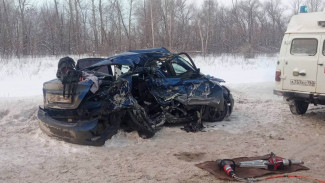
point(298, 107)
point(211, 114)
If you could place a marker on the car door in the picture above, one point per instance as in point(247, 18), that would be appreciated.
point(301, 63)
point(192, 82)
point(163, 84)
point(320, 86)
point(176, 79)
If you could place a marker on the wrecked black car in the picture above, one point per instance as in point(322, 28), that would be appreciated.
point(137, 90)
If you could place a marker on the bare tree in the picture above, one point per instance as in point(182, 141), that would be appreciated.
point(275, 13)
point(71, 27)
point(295, 6)
point(6, 32)
point(22, 4)
point(152, 26)
point(102, 29)
point(130, 21)
point(201, 36)
point(249, 9)
point(110, 26)
point(94, 25)
point(313, 5)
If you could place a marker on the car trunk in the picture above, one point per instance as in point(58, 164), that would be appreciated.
point(54, 98)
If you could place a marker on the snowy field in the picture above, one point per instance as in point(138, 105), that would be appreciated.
point(25, 76)
point(261, 123)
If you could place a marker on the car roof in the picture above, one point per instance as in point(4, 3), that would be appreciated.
point(133, 58)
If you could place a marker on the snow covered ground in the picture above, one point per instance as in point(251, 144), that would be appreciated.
point(260, 123)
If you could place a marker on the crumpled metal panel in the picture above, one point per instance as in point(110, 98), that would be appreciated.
point(120, 96)
point(189, 92)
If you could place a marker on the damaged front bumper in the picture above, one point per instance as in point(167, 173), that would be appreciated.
point(81, 132)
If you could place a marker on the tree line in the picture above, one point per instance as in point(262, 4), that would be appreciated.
point(106, 27)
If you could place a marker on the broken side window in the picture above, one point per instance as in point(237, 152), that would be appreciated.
point(178, 69)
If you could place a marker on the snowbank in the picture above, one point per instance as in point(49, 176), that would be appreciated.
point(25, 76)
point(237, 69)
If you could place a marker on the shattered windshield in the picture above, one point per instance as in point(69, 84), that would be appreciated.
point(171, 67)
point(185, 62)
point(121, 69)
point(181, 67)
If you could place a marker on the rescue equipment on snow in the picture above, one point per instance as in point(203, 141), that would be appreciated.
point(228, 165)
point(272, 163)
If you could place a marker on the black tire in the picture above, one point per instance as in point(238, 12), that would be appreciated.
point(211, 115)
point(228, 97)
point(112, 122)
point(107, 127)
point(141, 122)
point(299, 107)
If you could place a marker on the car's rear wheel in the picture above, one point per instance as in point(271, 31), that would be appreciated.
point(107, 127)
point(141, 122)
point(299, 107)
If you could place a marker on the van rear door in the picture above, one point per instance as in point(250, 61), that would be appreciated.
point(320, 86)
point(300, 67)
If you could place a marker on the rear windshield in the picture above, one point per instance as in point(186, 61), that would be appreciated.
point(86, 62)
point(83, 63)
point(304, 46)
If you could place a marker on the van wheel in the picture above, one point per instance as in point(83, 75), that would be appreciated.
point(299, 107)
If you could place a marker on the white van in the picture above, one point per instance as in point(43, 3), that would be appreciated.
point(300, 71)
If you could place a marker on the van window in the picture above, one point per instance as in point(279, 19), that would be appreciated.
point(304, 46)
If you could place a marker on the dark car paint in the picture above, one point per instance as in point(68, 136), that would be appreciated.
point(117, 96)
point(81, 132)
